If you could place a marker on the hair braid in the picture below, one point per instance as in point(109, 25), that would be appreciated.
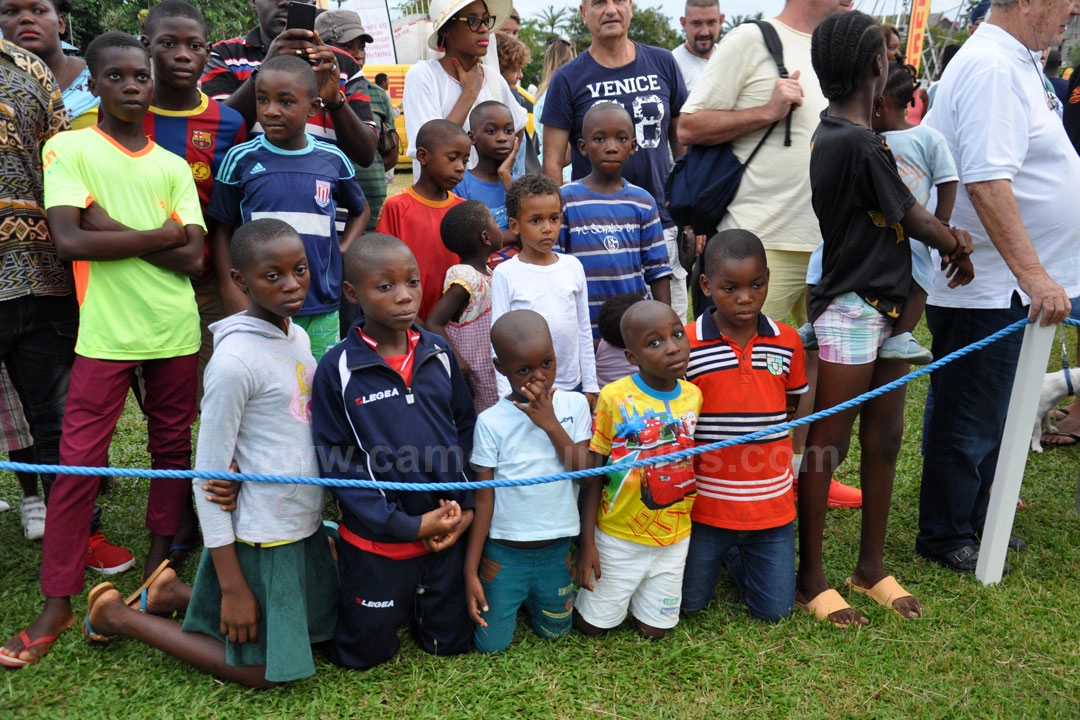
point(841, 49)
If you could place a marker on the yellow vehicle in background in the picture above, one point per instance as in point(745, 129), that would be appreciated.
point(396, 75)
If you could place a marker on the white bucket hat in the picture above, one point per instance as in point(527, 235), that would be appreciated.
point(441, 11)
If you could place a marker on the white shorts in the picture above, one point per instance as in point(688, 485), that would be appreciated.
point(646, 579)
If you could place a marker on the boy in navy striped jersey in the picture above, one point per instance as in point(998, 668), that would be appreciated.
point(613, 226)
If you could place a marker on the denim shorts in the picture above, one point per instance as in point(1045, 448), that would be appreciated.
point(539, 578)
point(850, 331)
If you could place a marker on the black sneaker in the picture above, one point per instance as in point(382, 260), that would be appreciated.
point(961, 561)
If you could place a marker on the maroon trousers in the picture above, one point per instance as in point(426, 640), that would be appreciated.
point(95, 400)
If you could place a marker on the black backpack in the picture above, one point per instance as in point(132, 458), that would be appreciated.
point(704, 180)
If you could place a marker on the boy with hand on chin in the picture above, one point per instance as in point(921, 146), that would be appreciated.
point(126, 213)
point(389, 403)
point(292, 176)
point(515, 554)
point(635, 524)
point(415, 215)
point(496, 146)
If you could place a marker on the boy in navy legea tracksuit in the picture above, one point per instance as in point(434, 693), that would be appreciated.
point(389, 403)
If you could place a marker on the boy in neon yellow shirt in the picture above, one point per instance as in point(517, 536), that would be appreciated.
point(126, 213)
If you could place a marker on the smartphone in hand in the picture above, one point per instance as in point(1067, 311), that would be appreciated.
point(301, 16)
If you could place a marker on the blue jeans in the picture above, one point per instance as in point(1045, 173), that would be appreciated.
point(37, 345)
point(762, 563)
point(964, 427)
point(539, 578)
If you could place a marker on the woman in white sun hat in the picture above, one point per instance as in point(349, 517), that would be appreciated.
point(453, 85)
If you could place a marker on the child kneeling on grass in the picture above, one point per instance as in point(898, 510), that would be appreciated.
point(750, 371)
point(266, 588)
point(517, 555)
point(635, 524)
point(389, 403)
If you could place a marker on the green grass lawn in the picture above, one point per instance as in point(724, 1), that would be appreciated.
point(979, 652)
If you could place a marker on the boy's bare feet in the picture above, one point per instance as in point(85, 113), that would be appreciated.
point(27, 647)
point(103, 614)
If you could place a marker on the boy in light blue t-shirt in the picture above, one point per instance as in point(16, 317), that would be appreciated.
point(515, 554)
point(495, 142)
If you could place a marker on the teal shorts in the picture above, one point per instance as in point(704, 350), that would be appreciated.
point(322, 329)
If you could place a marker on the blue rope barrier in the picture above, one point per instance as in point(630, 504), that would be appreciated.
point(521, 482)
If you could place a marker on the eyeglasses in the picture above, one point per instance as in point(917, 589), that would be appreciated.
point(476, 22)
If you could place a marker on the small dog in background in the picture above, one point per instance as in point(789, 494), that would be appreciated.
point(1054, 390)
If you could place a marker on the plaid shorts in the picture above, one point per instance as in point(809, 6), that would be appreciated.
point(14, 430)
point(850, 331)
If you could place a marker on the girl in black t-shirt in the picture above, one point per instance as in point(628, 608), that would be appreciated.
point(866, 214)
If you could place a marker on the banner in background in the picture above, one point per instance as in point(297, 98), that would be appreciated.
point(375, 14)
point(920, 15)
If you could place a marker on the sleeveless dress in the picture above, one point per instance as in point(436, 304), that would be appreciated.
point(471, 333)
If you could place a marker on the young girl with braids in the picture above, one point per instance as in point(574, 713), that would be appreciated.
point(866, 214)
point(925, 164)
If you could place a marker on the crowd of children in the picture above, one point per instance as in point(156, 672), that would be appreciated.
point(467, 362)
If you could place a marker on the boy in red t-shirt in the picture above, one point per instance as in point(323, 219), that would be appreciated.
point(750, 371)
point(414, 216)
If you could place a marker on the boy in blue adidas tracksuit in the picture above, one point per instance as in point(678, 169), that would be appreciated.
point(389, 403)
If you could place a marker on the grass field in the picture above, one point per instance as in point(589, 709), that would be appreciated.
point(1011, 651)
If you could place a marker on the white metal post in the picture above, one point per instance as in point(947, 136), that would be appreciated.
point(1015, 444)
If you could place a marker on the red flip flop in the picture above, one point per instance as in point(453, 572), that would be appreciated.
point(14, 662)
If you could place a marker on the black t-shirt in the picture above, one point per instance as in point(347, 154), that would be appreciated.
point(1071, 111)
point(859, 200)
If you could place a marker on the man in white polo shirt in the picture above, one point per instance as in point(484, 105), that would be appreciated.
point(1016, 196)
point(701, 22)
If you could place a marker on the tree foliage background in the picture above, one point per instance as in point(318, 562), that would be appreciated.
point(224, 18)
point(650, 26)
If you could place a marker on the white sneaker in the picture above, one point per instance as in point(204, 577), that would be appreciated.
point(4, 507)
point(32, 517)
point(905, 348)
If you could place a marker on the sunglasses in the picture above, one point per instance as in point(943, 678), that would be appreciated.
point(476, 22)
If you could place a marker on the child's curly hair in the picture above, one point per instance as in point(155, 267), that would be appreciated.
point(529, 186)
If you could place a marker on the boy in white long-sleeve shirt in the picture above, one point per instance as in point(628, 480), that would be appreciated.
point(549, 283)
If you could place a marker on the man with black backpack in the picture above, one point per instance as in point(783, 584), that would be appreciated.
point(739, 98)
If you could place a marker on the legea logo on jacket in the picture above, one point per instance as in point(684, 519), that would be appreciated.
point(381, 395)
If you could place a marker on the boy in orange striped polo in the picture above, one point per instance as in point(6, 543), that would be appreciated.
point(750, 371)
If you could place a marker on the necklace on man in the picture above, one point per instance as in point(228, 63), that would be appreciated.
point(1052, 100)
